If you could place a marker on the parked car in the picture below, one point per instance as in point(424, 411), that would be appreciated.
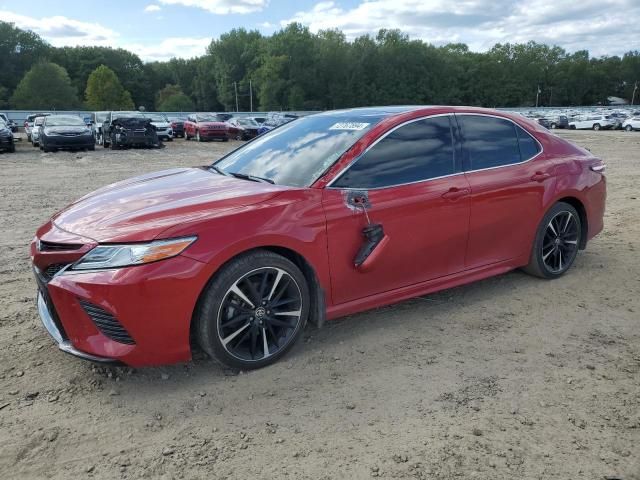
point(177, 125)
point(35, 131)
point(97, 119)
point(7, 142)
point(545, 122)
point(258, 120)
point(28, 123)
point(129, 129)
point(275, 119)
point(162, 124)
point(632, 123)
point(206, 126)
point(592, 122)
point(329, 215)
point(560, 121)
point(68, 132)
point(10, 124)
point(245, 128)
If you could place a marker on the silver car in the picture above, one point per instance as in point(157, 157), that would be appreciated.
point(35, 131)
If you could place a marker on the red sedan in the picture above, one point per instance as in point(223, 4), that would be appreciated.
point(325, 216)
point(206, 126)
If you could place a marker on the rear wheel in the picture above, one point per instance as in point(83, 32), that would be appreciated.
point(596, 126)
point(557, 242)
point(112, 143)
point(554, 126)
point(253, 310)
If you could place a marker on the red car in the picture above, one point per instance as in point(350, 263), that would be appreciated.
point(206, 126)
point(329, 215)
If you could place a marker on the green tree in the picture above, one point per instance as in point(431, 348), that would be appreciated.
point(19, 51)
point(172, 99)
point(46, 86)
point(105, 92)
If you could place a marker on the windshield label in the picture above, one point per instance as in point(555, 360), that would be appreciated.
point(349, 126)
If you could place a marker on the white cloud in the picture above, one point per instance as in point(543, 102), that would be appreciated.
point(180, 47)
point(62, 31)
point(152, 8)
point(222, 7)
point(596, 25)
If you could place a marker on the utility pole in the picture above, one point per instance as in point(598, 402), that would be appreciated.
point(635, 89)
point(550, 95)
point(250, 97)
point(538, 95)
point(235, 87)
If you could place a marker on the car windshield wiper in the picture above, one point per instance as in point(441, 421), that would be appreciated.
point(253, 178)
point(218, 170)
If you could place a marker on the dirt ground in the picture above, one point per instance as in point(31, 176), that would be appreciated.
point(509, 378)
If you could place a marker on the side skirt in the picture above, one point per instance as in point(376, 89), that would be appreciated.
point(430, 286)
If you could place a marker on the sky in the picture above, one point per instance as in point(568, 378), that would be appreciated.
point(161, 29)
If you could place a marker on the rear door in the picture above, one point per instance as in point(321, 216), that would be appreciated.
point(508, 175)
point(416, 191)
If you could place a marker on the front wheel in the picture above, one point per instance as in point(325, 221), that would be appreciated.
point(557, 242)
point(253, 310)
point(554, 126)
point(628, 128)
point(596, 126)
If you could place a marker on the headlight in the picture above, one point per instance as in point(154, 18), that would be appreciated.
point(116, 256)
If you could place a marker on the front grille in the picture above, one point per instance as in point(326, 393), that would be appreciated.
point(58, 247)
point(52, 269)
point(108, 325)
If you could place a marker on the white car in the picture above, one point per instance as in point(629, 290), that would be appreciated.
point(592, 122)
point(163, 126)
point(35, 131)
point(631, 124)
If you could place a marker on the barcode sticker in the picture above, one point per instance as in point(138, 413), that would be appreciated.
point(349, 126)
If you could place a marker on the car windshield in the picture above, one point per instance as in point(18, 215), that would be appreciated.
point(64, 120)
point(207, 117)
point(297, 153)
point(248, 122)
point(158, 118)
point(127, 115)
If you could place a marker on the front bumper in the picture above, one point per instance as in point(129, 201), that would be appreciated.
point(70, 141)
point(63, 343)
point(152, 303)
point(6, 143)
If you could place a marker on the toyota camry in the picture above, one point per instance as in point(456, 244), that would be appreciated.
point(325, 216)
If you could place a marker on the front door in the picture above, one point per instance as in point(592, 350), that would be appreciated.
point(415, 190)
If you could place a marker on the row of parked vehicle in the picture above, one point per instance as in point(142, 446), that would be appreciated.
point(121, 129)
point(609, 119)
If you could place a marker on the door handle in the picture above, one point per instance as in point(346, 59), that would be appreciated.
point(455, 193)
point(540, 176)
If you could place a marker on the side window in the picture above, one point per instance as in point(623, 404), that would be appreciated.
point(529, 147)
point(489, 142)
point(416, 151)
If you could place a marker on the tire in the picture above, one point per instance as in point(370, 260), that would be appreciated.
point(12, 148)
point(596, 126)
point(252, 274)
point(112, 144)
point(186, 136)
point(239, 137)
point(169, 139)
point(225, 139)
point(628, 128)
point(92, 148)
point(554, 126)
point(198, 138)
point(572, 127)
point(544, 256)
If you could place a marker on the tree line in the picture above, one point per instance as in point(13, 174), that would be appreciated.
point(295, 69)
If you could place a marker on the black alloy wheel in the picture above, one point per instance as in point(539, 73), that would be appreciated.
point(253, 311)
point(557, 242)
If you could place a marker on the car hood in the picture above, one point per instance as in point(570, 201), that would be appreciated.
point(141, 208)
point(67, 129)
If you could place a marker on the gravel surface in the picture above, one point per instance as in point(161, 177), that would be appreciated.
point(512, 377)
